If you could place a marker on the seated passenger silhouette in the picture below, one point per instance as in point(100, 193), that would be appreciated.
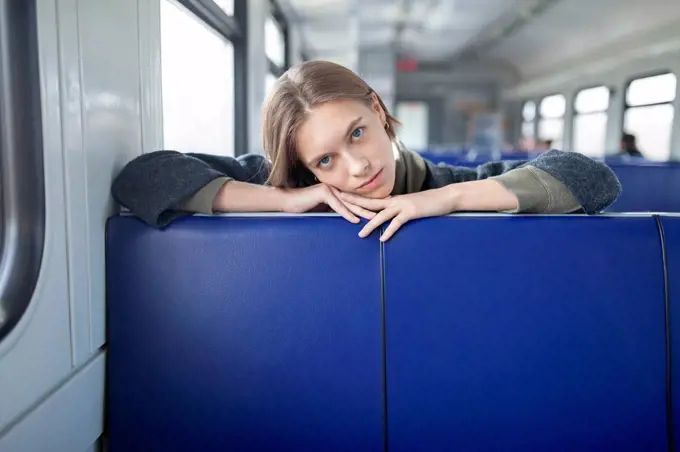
point(628, 146)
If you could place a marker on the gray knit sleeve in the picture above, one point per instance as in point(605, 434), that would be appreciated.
point(162, 186)
point(592, 184)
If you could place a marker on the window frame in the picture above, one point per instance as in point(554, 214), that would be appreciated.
point(22, 179)
point(235, 29)
point(281, 21)
point(523, 120)
point(627, 106)
point(587, 87)
point(540, 117)
point(214, 16)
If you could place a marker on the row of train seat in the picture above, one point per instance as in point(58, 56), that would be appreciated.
point(468, 332)
point(469, 155)
point(647, 186)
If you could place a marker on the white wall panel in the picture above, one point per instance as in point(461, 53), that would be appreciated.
point(109, 46)
point(100, 83)
point(69, 421)
point(74, 172)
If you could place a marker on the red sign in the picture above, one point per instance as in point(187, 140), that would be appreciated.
point(407, 65)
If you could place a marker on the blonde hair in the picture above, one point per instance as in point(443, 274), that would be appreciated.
point(294, 95)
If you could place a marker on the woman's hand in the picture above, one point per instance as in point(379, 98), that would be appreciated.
point(306, 199)
point(483, 195)
point(400, 209)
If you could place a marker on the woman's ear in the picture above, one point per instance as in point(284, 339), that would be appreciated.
point(377, 106)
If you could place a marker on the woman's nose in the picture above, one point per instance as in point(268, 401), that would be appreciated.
point(358, 165)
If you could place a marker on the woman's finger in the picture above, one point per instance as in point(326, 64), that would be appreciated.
point(379, 219)
point(395, 224)
point(367, 203)
point(338, 206)
point(359, 211)
point(356, 210)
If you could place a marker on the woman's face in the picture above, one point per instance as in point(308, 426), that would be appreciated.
point(345, 145)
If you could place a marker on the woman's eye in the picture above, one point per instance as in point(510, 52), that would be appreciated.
point(325, 161)
point(358, 132)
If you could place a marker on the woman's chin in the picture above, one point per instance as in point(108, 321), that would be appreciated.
point(381, 192)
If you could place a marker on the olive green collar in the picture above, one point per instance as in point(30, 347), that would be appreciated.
point(411, 170)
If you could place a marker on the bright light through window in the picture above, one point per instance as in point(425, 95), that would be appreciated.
point(197, 84)
point(551, 123)
point(274, 43)
point(226, 5)
point(553, 106)
point(652, 127)
point(551, 129)
point(529, 111)
point(592, 100)
point(590, 134)
point(590, 121)
point(269, 81)
point(651, 90)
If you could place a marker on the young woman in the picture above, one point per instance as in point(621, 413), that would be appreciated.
point(329, 141)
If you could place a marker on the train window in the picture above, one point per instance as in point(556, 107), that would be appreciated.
point(274, 43)
point(553, 130)
point(529, 111)
point(528, 116)
point(269, 81)
point(226, 5)
point(649, 114)
point(22, 182)
point(414, 129)
point(553, 106)
point(652, 127)
point(590, 121)
point(197, 83)
point(551, 119)
point(592, 100)
point(658, 89)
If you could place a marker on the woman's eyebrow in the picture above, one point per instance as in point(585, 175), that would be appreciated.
point(353, 124)
point(349, 130)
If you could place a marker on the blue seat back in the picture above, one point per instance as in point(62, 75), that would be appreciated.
point(526, 334)
point(244, 334)
point(671, 239)
point(461, 333)
point(647, 187)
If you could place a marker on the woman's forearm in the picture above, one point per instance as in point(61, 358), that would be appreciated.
point(237, 196)
point(481, 195)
